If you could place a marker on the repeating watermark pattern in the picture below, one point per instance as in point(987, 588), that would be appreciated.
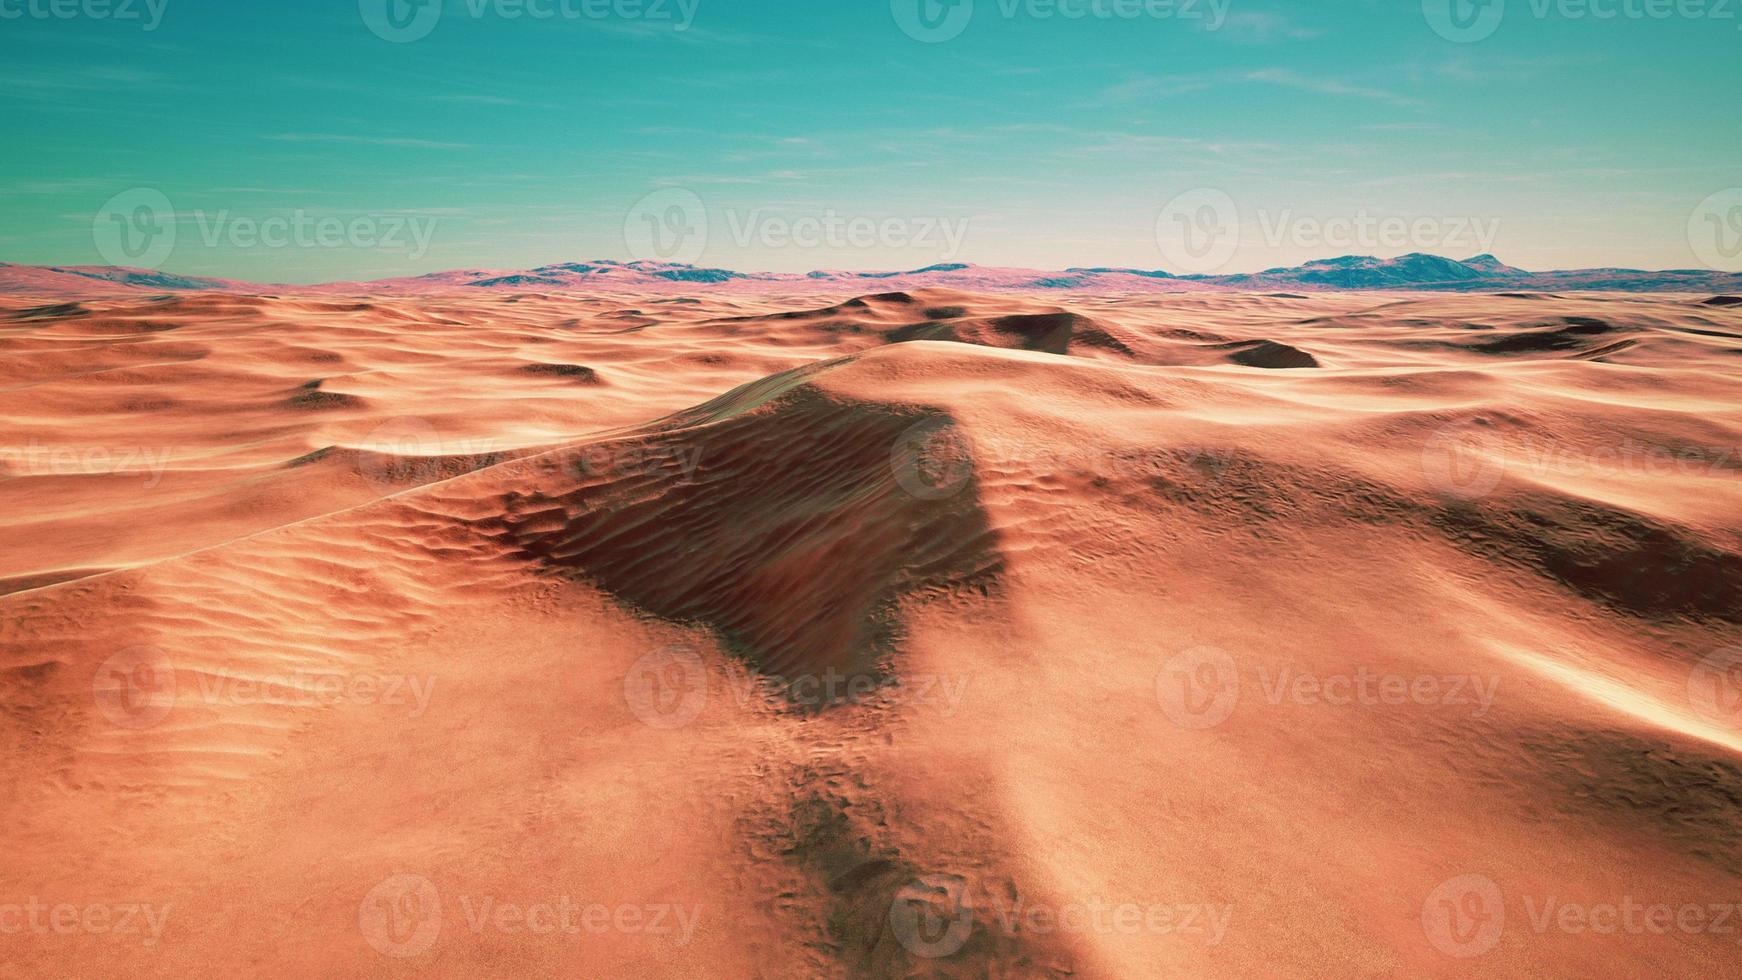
point(140, 686)
point(932, 460)
point(1365, 231)
point(408, 450)
point(669, 460)
point(403, 916)
point(1464, 462)
point(140, 921)
point(141, 227)
point(1466, 916)
point(674, 224)
point(319, 689)
point(405, 21)
point(1469, 21)
point(1715, 688)
point(135, 688)
point(411, 450)
point(1715, 230)
point(1201, 230)
point(937, 21)
point(671, 687)
point(667, 688)
point(148, 14)
point(1472, 462)
point(1464, 21)
point(831, 229)
point(36, 458)
point(136, 227)
point(668, 225)
point(300, 229)
point(935, 915)
point(1200, 688)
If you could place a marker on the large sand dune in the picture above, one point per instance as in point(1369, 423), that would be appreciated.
point(914, 634)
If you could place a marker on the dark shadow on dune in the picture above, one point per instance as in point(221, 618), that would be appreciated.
point(794, 527)
point(1678, 793)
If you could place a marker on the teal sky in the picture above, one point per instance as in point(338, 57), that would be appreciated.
point(1044, 141)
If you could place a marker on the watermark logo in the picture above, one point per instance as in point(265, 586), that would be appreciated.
point(668, 225)
point(135, 228)
point(1715, 688)
point(1715, 230)
point(401, 916)
point(1198, 231)
point(1464, 917)
point(667, 688)
point(135, 688)
point(1198, 689)
point(931, 916)
point(932, 21)
point(1464, 462)
point(401, 21)
point(932, 460)
point(1464, 21)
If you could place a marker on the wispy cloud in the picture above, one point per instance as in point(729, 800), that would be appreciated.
point(1288, 78)
point(1266, 26)
point(415, 144)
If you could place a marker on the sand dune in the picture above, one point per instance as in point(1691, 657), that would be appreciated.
point(914, 633)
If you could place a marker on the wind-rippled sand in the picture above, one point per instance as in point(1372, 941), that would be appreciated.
point(926, 634)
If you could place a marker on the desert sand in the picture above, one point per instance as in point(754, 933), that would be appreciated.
point(718, 634)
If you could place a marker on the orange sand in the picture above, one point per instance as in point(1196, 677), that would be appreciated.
point(1204, 635)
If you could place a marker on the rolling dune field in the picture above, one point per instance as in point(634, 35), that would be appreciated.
point(914, 634)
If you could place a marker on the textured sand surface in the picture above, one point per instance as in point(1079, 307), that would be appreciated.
point(925, 634)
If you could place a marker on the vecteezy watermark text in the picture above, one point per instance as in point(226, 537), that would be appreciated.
point(937, 21)
point(935, 915)
point(140, 228)
point(1469, 21)
point(34, 917)
point(147, 13)
point(403, 916)
point(1465, 917)
point(1200, 688)
point(404, 21)
point(1201, 230)
point(674, 224)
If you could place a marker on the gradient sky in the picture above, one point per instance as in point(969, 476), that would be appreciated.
point(1046, 141)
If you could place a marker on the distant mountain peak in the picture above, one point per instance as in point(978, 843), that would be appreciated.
point(1417, 271)
point(1493, 266)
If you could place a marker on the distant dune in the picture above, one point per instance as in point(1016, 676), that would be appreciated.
point(813, 627)
point(1483, 273)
